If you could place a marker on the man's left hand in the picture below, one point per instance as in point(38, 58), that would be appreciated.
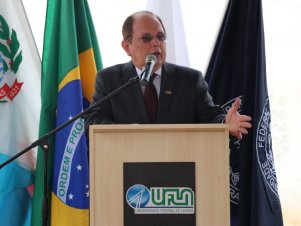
point(238, 124)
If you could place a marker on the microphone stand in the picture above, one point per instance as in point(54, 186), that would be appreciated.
point(43, 142)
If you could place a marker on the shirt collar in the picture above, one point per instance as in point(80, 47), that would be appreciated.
point(158, 72)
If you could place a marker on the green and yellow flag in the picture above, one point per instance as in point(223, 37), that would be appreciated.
point(70, 60)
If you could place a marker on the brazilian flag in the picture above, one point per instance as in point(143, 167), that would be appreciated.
point(70, 61)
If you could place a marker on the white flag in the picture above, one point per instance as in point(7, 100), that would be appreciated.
point(20, 102)
point(170, 13)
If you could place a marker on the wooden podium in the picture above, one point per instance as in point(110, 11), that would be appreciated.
point(205, 144)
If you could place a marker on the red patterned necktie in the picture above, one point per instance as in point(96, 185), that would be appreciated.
point(151, 99)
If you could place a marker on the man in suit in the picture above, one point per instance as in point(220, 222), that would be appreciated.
point(182, 92)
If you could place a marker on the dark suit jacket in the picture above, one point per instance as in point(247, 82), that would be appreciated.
point(184, 97)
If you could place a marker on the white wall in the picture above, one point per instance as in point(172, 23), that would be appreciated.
point(283, 55)
point(201, 19)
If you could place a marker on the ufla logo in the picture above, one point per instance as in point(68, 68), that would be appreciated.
point(10, 60)
point(160, 200)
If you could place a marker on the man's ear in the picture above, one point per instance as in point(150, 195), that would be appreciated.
point(125, 45)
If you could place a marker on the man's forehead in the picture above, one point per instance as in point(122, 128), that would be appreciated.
point(146, 20)
point(150, 27)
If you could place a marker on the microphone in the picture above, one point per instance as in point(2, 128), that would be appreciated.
point(150, 62)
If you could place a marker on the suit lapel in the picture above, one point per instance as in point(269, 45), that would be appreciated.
point(166, 91)
point(135, 93)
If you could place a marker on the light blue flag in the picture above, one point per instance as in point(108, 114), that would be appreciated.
point(20, 68)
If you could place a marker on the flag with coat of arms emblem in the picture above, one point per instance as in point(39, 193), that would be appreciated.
point(70, 60)
point(20, 103)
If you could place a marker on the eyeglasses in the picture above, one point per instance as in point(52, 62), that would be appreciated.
point(148, 38)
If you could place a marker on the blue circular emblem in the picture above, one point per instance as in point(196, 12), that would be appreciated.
point(137, 196)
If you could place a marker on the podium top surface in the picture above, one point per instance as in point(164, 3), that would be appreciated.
point(159, 127)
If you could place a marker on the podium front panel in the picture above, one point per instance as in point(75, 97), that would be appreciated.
point(205, 145)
